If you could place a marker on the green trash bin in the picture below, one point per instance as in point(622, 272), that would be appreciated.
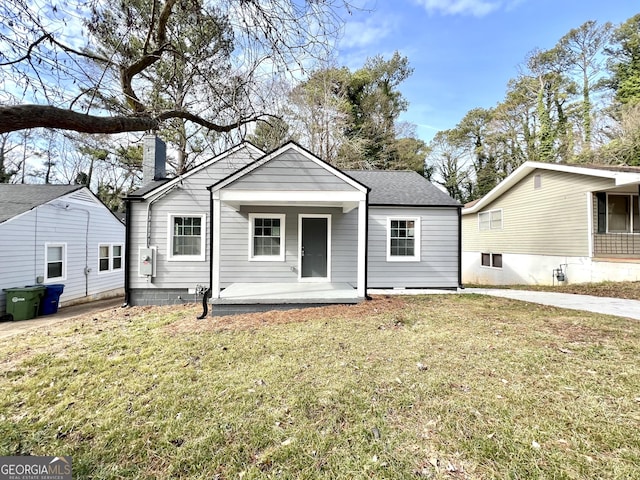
point(23, 302)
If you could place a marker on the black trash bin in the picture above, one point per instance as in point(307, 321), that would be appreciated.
point(50, 301)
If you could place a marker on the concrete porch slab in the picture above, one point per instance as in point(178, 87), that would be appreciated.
point(261, 297)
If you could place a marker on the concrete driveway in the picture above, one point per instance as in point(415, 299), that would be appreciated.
point(609, 306)
point(8, 329)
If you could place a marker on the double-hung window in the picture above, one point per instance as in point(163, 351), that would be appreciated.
point(105, 257)
point(109, 257)
point(186, 237)
point(403, 239)
point(55, 261)
point(490, 220)
point(622, 214)
point(266, 236)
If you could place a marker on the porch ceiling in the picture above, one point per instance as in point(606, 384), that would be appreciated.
point(347, 200)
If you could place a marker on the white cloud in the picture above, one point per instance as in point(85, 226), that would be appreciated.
point(476, 8)
point(363, 34)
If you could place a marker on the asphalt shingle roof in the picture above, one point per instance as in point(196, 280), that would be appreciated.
point(394, 187)
point(142, 191)
point(18, 198)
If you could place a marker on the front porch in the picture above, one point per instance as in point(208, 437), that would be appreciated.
point(259, 297)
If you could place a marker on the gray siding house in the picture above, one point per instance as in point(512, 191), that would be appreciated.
point(60, 234)
point(286, 228)
point(555, 223)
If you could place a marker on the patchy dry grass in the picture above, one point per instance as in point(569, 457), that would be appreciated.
point(629, 290)
point(451, 386)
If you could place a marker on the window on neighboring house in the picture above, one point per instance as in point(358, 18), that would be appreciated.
point(55, 260)
point(622, 214)
point(187, 238)
point(490, 220)
point(403, 240)
point(104, 258)
point(116, 259)
point(110, 258)
point(491, 260)
point(266, 236)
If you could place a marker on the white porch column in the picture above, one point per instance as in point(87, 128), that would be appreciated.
point(215, 238)
point(362, 247)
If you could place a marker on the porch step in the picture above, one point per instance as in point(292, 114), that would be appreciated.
point(223, 309)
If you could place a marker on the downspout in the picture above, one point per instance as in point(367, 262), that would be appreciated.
point(460, 285)
point(207, 292)
point(87, 270)
point(127, 254)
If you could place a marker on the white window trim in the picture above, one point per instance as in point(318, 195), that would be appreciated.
point(283, 233)
point(203, 237)
point(111, 257)
point(489, 212)
point(46, 261)
point(417, 242)
point(631, 213)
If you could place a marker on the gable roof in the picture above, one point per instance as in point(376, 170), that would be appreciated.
point(19, 198)
point(621, 175)
point(399, 187)
point(157, 186)
point(287, 147)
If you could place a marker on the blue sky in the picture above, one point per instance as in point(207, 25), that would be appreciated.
point(464, 52)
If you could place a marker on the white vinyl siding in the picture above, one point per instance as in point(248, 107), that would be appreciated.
point(553, 220)
point(81, 228)
point(267, 237)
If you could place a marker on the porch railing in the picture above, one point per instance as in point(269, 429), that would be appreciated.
point(616, 244)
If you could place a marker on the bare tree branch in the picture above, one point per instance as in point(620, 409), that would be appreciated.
point(19, 117)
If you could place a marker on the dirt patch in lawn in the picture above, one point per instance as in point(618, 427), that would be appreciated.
point(377, 305)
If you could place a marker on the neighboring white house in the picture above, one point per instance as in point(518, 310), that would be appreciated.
point(60, 234)
point(288, 224)
point(548, 223)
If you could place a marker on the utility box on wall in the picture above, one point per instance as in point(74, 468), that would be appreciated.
point(147, 263)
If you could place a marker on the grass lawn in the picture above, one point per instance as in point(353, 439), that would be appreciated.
point(447, 386)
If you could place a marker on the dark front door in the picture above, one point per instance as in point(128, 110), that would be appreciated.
point(314, 247)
